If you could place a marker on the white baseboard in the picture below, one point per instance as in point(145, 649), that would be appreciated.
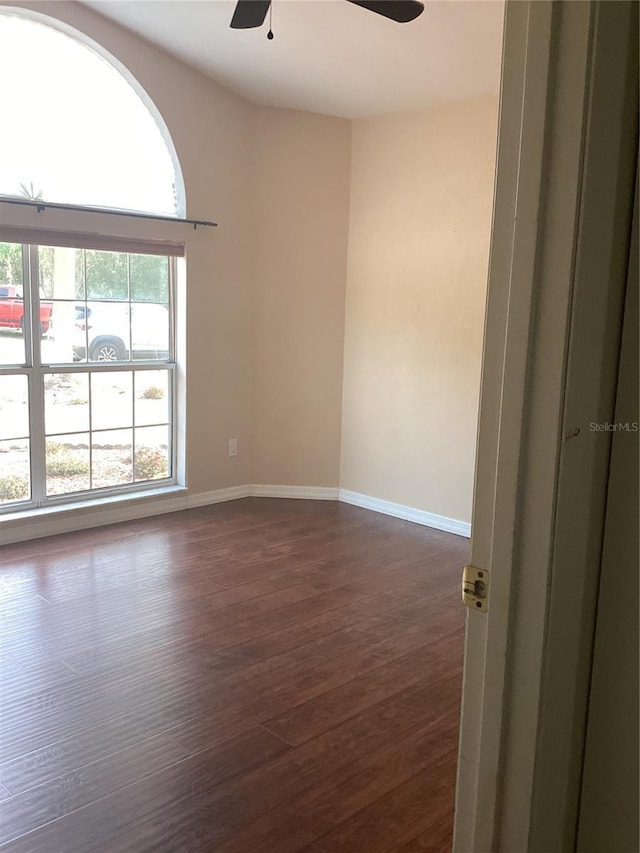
point(310, 493)
point(218, 496)
point(419, 516)
point(35, 524)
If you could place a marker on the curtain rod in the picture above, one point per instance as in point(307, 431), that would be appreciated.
point(43, 205)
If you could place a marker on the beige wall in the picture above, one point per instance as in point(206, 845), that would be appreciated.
point(421, 198)
point(302, 205)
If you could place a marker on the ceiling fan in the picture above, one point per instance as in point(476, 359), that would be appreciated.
point(252, 13)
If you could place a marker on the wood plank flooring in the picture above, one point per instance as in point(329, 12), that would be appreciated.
point(261, 676)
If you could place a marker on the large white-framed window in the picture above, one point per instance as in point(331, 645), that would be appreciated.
point(87, 369)
point(88, 374)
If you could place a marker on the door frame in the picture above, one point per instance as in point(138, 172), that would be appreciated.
point(563, 167)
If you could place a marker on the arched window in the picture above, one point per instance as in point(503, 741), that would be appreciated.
point(77, 129)
point(88, 384)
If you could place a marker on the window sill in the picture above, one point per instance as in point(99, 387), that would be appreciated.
point(34, 523)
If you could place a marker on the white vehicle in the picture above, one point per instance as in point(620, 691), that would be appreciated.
point(120, 331)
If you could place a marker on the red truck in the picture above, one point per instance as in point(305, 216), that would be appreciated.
point(12, 309)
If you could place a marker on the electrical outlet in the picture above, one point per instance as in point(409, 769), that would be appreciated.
point(233, 447)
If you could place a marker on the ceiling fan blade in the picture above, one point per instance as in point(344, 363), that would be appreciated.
point(401, 11)
point(249, 14)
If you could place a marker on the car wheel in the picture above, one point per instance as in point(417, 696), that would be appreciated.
point(108, 349)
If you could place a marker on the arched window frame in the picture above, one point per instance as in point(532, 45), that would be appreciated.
point(146, 100)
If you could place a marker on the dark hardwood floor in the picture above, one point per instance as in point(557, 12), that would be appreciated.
point(261, 676)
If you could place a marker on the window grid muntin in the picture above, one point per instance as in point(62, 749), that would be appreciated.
point(134, 427)
point(90, 302)
point(35, 370)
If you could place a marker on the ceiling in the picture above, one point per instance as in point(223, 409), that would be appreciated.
point(329, 56)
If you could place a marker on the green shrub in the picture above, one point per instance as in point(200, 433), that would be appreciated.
point(14, 488)
point(153, 392)
point(150, 464)
point(62, 462)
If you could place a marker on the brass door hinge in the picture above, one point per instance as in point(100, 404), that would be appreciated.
point(475, 588)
